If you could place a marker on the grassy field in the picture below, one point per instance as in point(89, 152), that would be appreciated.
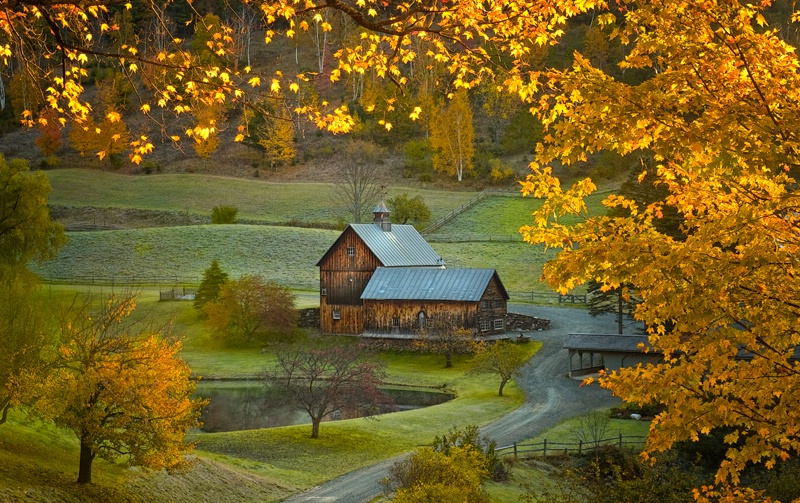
point(198, 194)
point(264, 465)
point(286, 255)
point(257, 465)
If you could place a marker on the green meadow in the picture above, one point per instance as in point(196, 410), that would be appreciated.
point(269, 464)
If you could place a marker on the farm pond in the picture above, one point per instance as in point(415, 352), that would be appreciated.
point(247, 405)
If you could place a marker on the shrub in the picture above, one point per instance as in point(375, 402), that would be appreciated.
point(224, 215)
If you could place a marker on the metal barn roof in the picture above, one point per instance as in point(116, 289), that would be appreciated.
point(609, 343)
point(402, 246)
point(428, 284)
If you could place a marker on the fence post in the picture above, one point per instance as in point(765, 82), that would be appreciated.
point(544, 449)
point(580, 447)
point(515, 450)
point(620, 440)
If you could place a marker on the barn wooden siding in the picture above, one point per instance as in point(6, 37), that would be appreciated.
point(492, 307)
point(342, 279)
point(379, 315)
point(349, 322)
point(408, 316)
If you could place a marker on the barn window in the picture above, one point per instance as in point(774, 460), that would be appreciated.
point(323, 291)
point(395, 322)
point(337, 314)
point(484, 325)
point(422, 320)
point(499, 324)
point(485, 304)
point(351, 251)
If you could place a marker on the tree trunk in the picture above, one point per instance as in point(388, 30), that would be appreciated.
point(448, 360)
point(619, 310)
point(502, 385)
point(315, 427)
point(85, 469)
point(5, 405)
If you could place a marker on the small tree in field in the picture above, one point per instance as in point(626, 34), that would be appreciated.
point(406, 208)
point(213, 279)
point(322, 379)
point(503, 358)
point(121, 394)
point(444, 335)
point(251, 309)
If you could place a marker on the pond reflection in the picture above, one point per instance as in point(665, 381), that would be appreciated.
point(247, 405)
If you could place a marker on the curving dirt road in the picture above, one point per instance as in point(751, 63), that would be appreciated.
point(552, 397)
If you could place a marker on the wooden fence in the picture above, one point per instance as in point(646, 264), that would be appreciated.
point(548, 297)
point(453, 214)
point(124, 280)
point(545, 448)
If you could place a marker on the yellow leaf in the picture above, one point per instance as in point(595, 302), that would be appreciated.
point(254, 82)
point(275, 87)
point(239, 137)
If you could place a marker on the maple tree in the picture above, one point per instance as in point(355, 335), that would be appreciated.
point(715, 116)
point(250, 309)
point(502, 358)
point(122, 394)
point(322, 379)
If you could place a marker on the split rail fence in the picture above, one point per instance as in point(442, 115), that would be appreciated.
point(547, 448)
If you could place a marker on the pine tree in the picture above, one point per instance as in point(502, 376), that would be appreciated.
point(213, 279)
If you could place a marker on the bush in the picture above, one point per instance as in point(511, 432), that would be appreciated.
point(224, 215)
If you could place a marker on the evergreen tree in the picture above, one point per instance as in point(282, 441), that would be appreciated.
point(213, 279)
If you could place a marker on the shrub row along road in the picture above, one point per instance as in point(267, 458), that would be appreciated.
point(551, 397)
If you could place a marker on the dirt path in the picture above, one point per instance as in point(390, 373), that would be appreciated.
point(552, 397)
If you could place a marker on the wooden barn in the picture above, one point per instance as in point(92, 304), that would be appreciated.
point(348, 265)
point(403, 301)
point(381, 279)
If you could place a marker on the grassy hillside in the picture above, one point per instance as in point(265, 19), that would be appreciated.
point(286, 255)
point(198, 194)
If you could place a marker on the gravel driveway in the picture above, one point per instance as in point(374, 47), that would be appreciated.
point(552, 397)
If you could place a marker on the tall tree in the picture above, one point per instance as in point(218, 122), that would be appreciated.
point(250, 309)
point(26, 339)
point(120, 393)
point(359, 184)
point(322, 379)
point(26, 230)
point(452, 137)
point(720, 303)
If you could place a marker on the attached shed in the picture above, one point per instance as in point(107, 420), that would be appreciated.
point(589, 353)
point(401, 301)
